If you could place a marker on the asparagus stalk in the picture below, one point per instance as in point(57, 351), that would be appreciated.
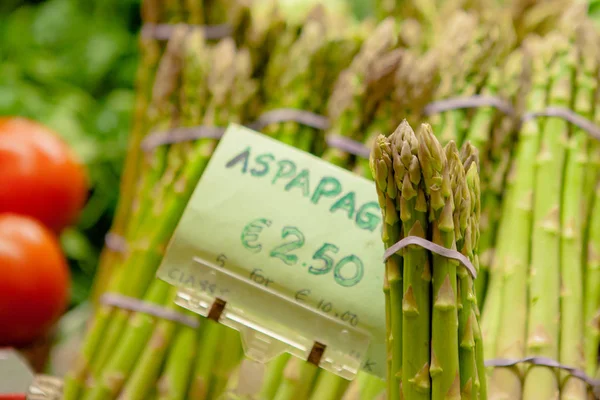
point(346, 106)
point(373, 389)
point(229, 356)
point(230, 87)
point(291, 88)
point(466, 195)
point(417, 80)
point(572, 224)
point(101, 330)
point(151, 50)
point(147, 370)
point(174, 382)
point(592, 297)
point(478, 135)
point(475, 190)
point(265, 25)
point(589, 42)
point(499, 151)
point(416, 269)
point(126, 353)
point(366, 387)
point(163, 188)
point(452, 50)
point(194, 11)
point(298, 378)
point(329, 386)
point(157, 161)
point(209, 341)
point(149, 58)
point(592, 262)
point(504, 327)
point(544, 283)
point(361, 167)
point(436, 165)
point(167, 212)
point(406, 96)
point(163, 191)
point(383, 174)
point(273, 377)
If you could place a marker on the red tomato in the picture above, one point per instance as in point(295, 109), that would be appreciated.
point(34, 283)
point(39, 174)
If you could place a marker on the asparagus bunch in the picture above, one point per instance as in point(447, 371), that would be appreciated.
point(573, 216)
point(358, 88)
point(130, 191)
point(493, 132)
point(288, 377)
point(135, 186)
point(410, 90)
point(541, 249)
point(504, 328)
point(429, 187)
point(177, 169)
point(201, 83)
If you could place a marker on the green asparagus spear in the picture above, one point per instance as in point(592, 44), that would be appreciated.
point(273, 377)
point(466, 194)
point(102, 334)
point(544, 283)
point(504, 327)
point(298, 378)
point(572, 226)
point(416, 269)
point(126, 354)
point(592, 249)
point(480, 377)
point(229, 356)
point(499, 151)
point(207, 354)
point(147, 370)
point(437, 164)
point(383, 174)
point(174, 382)
point(328, 386)
point(345, 107)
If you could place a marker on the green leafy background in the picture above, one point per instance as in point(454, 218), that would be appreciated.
point(70, 64)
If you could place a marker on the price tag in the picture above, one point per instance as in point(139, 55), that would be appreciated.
point(290, 246)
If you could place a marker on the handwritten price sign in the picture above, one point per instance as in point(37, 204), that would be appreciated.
point(292, 223)
point(294, 239)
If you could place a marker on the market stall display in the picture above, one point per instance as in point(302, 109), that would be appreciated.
point(476, 122)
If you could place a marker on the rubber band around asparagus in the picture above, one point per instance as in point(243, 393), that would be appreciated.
point(307, 118)
point(116, 243)
point(434, 248)
point(165, 31)
point(502, 105)
point(158, 138)
point(568, 115)
point(475, 101)
point(348, 145)
point(550, 363)
point(137, 305)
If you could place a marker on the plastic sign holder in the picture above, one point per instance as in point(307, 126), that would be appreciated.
point(271, 324)
point(286, 249)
